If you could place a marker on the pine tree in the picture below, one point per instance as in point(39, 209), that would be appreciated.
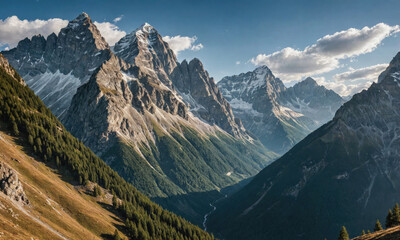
point(343, 234)
point(378, 226)
point(115, 202)
point(15, 129)
point(368, 232)
point(396, 215)
point(96, 191)
point(363, 232)
point(389, 219)
point(116, 235)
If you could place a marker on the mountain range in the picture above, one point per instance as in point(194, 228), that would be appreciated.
point(280, 117)
point(344, 173)
point(166, 126)
point(162, 125)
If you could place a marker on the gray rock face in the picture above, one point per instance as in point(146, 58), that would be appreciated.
point(145, 48)
point(55, 67)
point(10, 184)
point(114, 103)
point(312, 100)
point(204, 97)
point(279, 116)
point(10, 70)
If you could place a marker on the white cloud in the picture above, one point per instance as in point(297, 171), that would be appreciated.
point(110, 32)
point(117, 19)
point(353, 81)
point(237, 62)
point(12, 29)
point(323, 56)
point(180, 43)
point(290, 64)
point(197, 47)
point(367, 73)
point(347, 89)
point(352, 42)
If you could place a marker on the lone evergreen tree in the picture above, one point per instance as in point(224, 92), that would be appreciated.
point(96, 191)
point(115, 202)
point(343, 234)
point(116, 235)
point(363, 232)
point(389, 219)
point(378, 226)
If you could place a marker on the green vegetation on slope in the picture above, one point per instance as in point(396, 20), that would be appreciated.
point(33, 122)
point(187, 162)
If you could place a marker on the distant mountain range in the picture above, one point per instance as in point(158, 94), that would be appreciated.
point(344, 173)
point(280, 117)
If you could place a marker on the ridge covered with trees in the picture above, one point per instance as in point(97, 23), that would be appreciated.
point(29, 119)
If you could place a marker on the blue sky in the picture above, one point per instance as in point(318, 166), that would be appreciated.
point(237, 31)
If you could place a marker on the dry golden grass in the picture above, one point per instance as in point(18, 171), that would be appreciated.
point(388, 234)
point(64, 208)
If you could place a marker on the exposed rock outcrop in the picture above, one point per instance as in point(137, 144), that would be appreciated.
point(10, 184)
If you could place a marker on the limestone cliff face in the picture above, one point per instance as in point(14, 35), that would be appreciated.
point(10, 184)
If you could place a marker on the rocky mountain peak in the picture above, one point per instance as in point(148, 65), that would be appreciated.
point(201, 93)
point(144, 47)
point(277, 115)
point(83, 25)
point(55, 67)
point(308, 81)
point(393, 67)
point(262, 70)
point(145, 28)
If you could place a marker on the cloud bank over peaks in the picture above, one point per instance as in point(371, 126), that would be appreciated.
point(325, 55)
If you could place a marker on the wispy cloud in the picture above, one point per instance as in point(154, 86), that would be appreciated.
point(367, 73)
point(110, 32)
point(180, 43)
point(117, 19)
point(353, 81)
